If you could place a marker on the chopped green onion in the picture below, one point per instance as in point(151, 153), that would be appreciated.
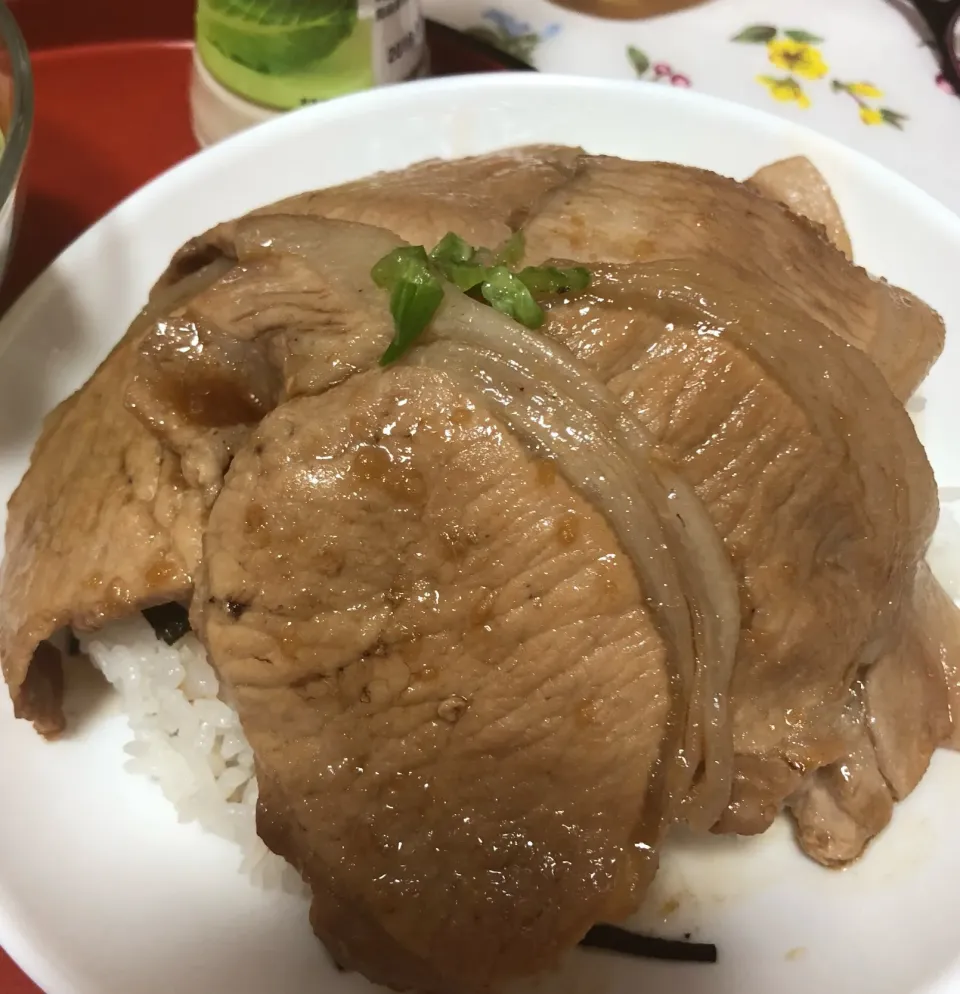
point(511, 252)
point(507, 294)
point(400, 264)
point(413, 306)
point(416, 292)
point(415, 282)
point(459, 262)
point(551, 279)
point(452, 249)
point(466, 276)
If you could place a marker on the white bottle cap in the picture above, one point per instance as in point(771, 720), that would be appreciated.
point(218, 112)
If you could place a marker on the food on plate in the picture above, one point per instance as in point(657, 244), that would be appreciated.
point(102, 525)
point(798, 183)
point(525, 507)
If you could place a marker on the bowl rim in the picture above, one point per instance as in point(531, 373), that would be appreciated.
point(21, 118)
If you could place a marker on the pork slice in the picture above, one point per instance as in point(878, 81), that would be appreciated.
point(441, 658)
point(617, 211)
point(840, 807)
point(810, 470)
point(295, 313)
point(101, 525)
point(906, 692)
point(798, 184)
point(483, 198)
point(899, 715)
point(199, 390)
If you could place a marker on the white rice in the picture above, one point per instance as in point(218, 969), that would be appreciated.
point(187, 739)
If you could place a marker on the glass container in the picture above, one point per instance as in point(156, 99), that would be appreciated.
point(16, 121)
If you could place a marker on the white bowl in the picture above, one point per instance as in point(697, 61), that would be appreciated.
point(102, 891)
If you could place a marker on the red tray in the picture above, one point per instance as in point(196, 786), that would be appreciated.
point(111, 113)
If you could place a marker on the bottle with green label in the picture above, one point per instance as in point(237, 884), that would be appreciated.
point(282, 54)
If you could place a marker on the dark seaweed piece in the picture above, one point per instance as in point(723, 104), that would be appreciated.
point(169, 621)
point(619, 940)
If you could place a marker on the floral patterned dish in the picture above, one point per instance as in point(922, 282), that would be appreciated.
point(864, 72)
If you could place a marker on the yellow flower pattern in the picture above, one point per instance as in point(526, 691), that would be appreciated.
point(798, 53)
point(862, 92)
point(865, 90)
point(785, 90)
point(797, 57)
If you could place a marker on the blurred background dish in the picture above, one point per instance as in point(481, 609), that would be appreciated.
point(626, 9)
point(866, 72)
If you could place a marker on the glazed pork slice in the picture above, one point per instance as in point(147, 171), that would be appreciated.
point(811, 472)
point(101, 525)
point(840, 807)
point(109, 517)
point(442, 659)
point(907, 697)
point(337, 332)
point(900, 716)
point(294, 312)
point(799, 185)
point(483, 198)
point(617, 211)
point(300, 296)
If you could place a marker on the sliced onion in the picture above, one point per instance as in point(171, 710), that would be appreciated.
point(552, 401)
